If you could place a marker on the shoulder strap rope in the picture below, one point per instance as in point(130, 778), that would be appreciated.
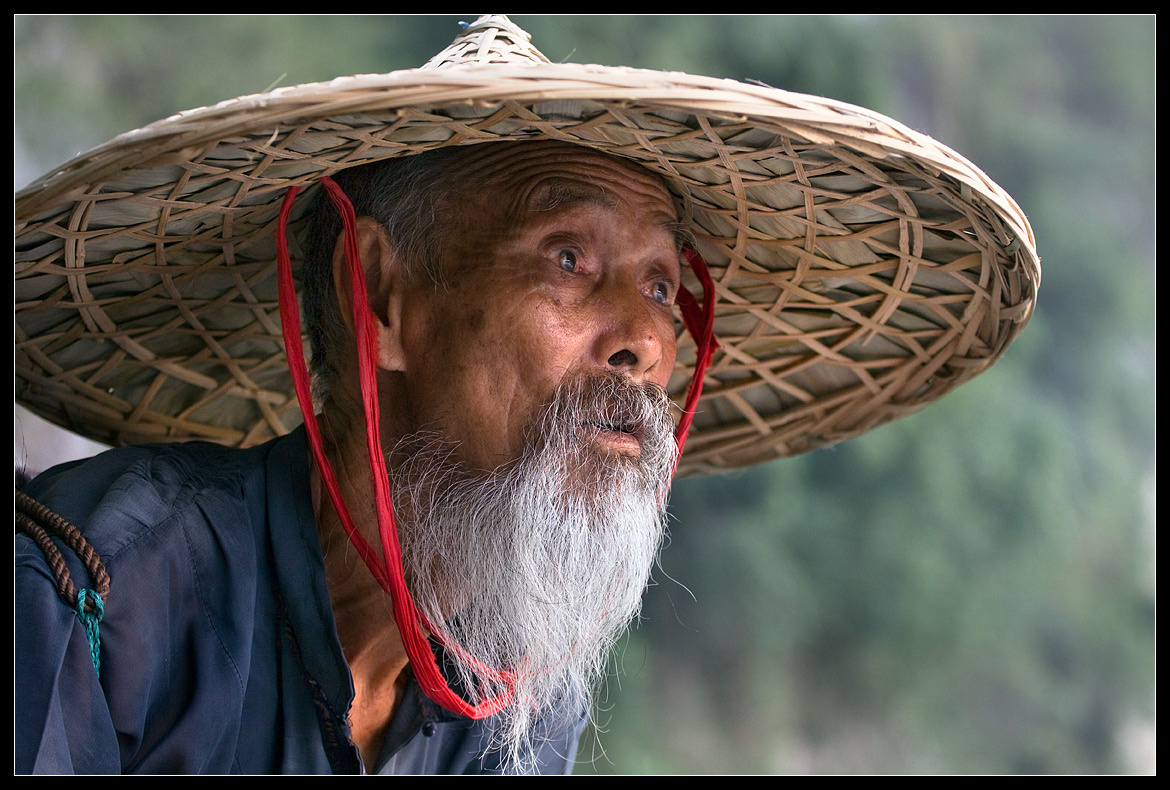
point(40, 523)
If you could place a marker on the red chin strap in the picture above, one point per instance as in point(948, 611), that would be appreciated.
point(699, 321)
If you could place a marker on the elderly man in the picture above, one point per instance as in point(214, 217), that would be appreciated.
point(525, 339)
point(426, 577)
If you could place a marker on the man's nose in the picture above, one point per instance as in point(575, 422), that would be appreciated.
point(631, 336)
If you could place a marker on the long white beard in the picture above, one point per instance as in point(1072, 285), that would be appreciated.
point(539, 566)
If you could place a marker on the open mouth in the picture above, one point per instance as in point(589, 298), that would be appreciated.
point(622, 437)
point(613, 427)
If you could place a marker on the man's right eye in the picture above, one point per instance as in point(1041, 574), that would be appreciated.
point(568, 260)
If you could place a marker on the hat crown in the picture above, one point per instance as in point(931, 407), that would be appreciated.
point(493, 38)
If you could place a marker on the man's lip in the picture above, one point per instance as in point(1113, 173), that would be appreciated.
point(615, 438)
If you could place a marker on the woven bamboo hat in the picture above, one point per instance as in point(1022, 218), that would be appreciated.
point(862, 270)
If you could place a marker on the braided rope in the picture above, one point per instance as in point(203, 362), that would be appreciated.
point(42, 524)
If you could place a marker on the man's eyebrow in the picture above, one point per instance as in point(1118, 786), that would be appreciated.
point(683, 235)
point(555, 194)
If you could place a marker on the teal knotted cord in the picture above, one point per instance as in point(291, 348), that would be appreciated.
point(39, 522)
point(91, 621)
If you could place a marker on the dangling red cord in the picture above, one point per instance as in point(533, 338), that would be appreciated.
point(699, 321)
point(388, 572)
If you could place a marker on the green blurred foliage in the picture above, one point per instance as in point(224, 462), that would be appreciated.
point(966, 590)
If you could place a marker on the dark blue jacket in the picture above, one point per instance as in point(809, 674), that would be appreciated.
point(218, 648)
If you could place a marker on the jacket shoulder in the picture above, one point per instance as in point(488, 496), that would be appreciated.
point(179, 528)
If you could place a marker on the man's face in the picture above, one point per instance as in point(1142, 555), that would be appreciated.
point(530, 485)
point(560, 263)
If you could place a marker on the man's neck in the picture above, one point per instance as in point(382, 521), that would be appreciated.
point(361, 608)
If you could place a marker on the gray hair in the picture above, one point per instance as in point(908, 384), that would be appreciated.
point(409, 196)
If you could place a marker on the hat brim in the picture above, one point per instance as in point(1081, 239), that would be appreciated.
point(862, 270)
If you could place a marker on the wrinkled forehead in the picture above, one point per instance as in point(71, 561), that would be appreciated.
point(521, 178)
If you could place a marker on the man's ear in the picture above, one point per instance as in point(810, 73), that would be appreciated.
point(385, 288)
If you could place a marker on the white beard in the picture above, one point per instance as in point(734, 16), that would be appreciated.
point(539, 566)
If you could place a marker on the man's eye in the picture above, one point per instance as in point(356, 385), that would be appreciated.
point(661, 293)
point(568, 260)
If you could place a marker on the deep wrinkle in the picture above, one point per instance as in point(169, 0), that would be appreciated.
point(541, 322)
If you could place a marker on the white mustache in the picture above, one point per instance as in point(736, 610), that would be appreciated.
point(613, 402)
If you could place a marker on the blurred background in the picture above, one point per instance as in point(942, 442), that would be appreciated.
point(971, 589)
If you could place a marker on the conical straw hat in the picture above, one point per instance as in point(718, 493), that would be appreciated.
point(862, 270)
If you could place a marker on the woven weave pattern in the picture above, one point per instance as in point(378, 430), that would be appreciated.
point(862, 270)
point(490, 39)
